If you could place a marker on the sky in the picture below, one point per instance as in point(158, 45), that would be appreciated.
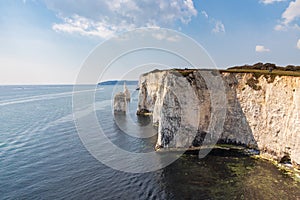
point(47, 41)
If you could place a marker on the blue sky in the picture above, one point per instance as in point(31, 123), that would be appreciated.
point(46, 41)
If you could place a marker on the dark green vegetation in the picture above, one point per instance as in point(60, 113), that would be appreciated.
point(268, 66)
point(264, 72)
point(266, 69)
point(269, 70)
point(185, 72)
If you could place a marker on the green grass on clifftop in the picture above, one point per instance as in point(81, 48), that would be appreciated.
point(263, 72)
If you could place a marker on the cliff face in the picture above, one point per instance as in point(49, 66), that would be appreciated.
point(272, 108)
point(258, 111)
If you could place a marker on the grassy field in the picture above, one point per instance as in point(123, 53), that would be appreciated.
point(264, 72)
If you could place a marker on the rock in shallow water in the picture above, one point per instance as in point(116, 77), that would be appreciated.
point(126, 92)
point(120, 103)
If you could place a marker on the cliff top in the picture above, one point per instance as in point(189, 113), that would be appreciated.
point(267, 68)
point(257, 69)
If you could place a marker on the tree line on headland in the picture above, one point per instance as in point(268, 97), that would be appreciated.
point(268, 66)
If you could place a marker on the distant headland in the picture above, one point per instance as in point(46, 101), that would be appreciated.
point(120, 82)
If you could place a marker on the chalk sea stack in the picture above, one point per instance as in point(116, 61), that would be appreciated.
point(120, 103)
point(121, 100)
point(126, 92)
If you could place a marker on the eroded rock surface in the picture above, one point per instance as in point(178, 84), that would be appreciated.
point(120, 103)
point(262, 111)
point(126, 92)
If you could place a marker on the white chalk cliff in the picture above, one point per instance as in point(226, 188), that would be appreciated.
point(195, 107)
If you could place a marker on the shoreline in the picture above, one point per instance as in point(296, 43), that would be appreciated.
point(286, 168)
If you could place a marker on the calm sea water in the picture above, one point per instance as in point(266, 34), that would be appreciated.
point(42, 157)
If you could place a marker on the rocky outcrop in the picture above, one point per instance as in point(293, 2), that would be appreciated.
point(196, 107)
point(120, 103)
point(121, 100)
point(126, 92)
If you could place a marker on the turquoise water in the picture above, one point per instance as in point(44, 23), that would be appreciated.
point(42, 157)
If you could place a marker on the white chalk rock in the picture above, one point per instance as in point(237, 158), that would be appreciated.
point(120, 103)
point(126, 92)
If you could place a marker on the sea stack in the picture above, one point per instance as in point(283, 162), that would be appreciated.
point(120, 103)
point(126, 92)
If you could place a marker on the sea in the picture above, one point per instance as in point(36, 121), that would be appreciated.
point(43, 157)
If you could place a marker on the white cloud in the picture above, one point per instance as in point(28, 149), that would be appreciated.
point(280, 27)
point(270, 1)
point(103, 18)
point(260, 49)
point(219, 27)
point(297, 27)
point(292, 12)
point(289, 16)
point(204, 13)
point(165, 36)
point(298, 44)
point(88, 27)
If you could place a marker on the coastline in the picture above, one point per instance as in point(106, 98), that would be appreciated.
point(259, 117)
point(236, 150)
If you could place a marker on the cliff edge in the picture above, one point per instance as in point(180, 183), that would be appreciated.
point(196, 107)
